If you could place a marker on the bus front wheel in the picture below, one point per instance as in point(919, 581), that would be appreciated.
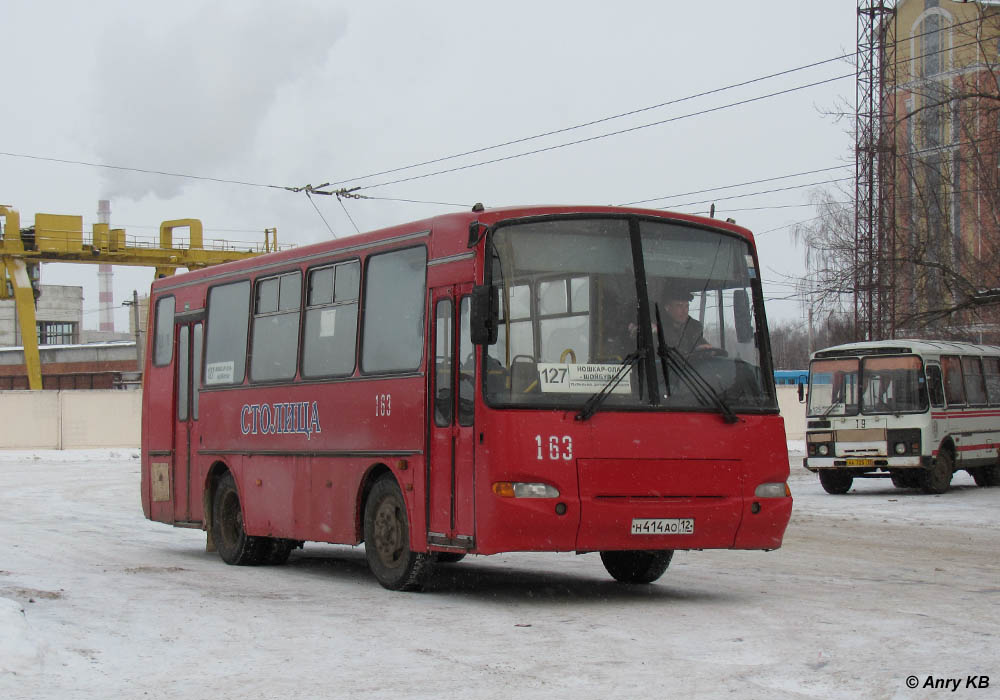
point(387, 540)
point(835, 481)
point(235, 546)
point(937, 479)
point(637, 566)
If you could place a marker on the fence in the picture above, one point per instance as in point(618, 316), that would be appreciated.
point(69, 420)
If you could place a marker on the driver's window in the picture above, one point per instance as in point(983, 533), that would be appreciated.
point(443, 363)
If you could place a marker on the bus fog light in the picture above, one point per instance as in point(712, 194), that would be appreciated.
point(823, 450)
point(900, 448)
point(521, 489)
point(776, 490)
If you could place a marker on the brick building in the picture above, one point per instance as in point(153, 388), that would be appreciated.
point(941, 68)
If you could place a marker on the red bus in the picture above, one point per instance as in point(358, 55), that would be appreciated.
point(479, 382)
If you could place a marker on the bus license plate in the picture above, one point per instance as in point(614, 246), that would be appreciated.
point(860, 462)
point(663, 526)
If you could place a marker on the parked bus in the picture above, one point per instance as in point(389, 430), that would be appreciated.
point(914, 411)
point(791, 377)
point(478, 382)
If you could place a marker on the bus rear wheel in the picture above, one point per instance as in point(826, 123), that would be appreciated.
point(937, 479)
point(235, 546)
point(387, 540)
point(987, 476)
point(637, 566)
point(835, 481)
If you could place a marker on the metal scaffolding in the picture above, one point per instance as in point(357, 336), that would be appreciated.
point(875, 172)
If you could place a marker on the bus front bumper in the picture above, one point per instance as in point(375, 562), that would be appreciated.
point(814, 464)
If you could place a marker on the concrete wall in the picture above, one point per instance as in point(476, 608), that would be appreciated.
point(69, 420)
point(793, 412)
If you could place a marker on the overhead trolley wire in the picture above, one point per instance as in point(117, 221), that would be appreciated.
point(739, 184)
point(609, 134)
point(633, 112)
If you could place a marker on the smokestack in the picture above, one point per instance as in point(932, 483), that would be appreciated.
point(105, 276)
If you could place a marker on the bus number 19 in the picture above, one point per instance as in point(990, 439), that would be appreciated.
point(558, 448)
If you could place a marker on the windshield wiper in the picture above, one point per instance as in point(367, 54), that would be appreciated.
point(697, 383)
point(595, 401)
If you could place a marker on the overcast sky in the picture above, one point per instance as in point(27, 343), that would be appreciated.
point(314, 91)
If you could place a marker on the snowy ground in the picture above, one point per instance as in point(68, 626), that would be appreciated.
point(869, 588)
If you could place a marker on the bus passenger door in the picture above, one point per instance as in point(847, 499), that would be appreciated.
point(186, 494)
point(451, 505)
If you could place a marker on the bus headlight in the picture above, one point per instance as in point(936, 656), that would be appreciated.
point(900, 448)
point(776, 490)
point(521, 489)
point(823, 450)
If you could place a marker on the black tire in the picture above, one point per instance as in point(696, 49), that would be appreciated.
point(835, 481)
point(987, 476)
point(637, 566)
point(274, 551)
point(906, 478)
point(937, 479)
point(387, 540)
point(234, 545)
point(449, 557)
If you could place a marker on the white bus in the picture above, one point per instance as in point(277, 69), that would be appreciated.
point(911, 410)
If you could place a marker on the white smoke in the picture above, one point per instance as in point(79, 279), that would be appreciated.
point(190, 93)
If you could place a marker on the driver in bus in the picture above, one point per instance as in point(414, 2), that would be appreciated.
point(679, 329)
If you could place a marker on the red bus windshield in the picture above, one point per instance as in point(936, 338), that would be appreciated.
point(573, 312)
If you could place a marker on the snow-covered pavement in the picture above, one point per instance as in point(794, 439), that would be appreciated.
point(869, 588)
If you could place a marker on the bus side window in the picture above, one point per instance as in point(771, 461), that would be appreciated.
point(226, 328)
point(991, 373)
point(330, 333)
point(934, 388)
point(274, 343)
point(975, 390)
point(954, 391)
point(392, 338)
point(163, 341)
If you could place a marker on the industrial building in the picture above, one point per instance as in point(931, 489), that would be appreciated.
point(72, 357)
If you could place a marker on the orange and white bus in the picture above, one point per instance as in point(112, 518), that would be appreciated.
point(474, 383)
point(911, 410)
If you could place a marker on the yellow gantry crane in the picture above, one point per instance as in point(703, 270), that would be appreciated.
point(59, 238)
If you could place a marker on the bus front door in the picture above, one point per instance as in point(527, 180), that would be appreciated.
point(450, 497)
point(187, 499)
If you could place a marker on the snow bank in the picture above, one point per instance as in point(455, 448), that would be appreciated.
point(48, 456)
point(20, 654)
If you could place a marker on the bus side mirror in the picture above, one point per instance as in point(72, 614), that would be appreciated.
point(485, 315)
point(802, 392)
point(741, 311)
